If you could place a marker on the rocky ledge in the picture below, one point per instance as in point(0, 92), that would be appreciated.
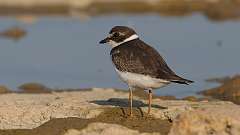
point(104, 111)
point(229, 89)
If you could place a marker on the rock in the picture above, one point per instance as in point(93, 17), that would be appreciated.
point(106, 129)
point(220, 120)
point(33, 88)
point(190, 98)
point(13, 33)
point(167, 97)
point(219, 79)
point(28, 111)
point(229, 90)
point(170, 109)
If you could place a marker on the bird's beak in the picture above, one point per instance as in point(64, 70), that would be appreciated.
point(104, 40)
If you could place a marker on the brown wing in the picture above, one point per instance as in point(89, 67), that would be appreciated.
point(137, 57)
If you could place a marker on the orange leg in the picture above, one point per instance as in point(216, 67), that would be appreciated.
point(130, 102)
point(149, 101)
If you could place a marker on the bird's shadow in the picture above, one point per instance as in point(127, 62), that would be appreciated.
point(123, 102)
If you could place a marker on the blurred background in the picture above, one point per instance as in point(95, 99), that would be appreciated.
point(55, 42)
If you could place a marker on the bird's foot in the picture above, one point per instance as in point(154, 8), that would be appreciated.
point(130, 114)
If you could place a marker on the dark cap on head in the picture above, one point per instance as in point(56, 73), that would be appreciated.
point(118, 34)
point(123, 29)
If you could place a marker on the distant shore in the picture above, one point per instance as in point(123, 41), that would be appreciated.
point(216, 10)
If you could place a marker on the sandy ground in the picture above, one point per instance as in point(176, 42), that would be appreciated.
point(104, 111)
point(59, 126)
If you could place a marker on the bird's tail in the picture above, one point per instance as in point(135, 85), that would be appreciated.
point(181, 80)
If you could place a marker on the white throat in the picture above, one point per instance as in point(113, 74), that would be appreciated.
point(114, 44)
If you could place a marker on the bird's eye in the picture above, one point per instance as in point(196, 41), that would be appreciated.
point(116, 34)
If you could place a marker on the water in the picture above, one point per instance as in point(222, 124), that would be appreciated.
point(64, 52)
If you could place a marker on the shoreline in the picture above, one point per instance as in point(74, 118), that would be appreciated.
point(214, 10)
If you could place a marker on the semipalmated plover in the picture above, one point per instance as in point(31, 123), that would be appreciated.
point(138, 64)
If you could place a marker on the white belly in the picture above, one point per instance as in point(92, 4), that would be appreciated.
point(141, 81)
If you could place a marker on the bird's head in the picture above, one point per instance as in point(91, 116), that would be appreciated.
point(119, 35)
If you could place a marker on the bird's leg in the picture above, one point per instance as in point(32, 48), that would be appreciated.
point(130, 101)
point(149, 101)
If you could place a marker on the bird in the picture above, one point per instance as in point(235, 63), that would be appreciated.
point(138, 64)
